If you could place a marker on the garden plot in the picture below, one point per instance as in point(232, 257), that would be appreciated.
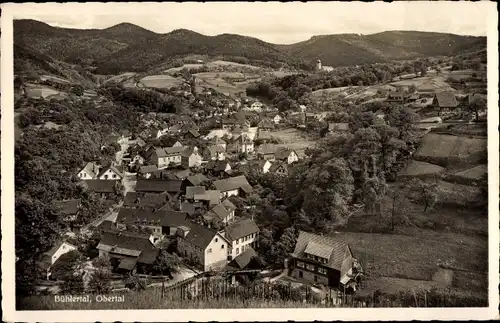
point(293, 139)
point(436, 148)
point(160, 81)
point(473, 174)
point(458, 194)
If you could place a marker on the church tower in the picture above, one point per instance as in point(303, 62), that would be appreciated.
point(318, 65)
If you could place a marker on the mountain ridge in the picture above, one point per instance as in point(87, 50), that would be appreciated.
point(128, 47)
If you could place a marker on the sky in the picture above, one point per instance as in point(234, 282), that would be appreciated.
point(281, 23)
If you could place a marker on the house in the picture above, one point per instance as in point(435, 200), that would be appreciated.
point(159, 222)
point(147, 171)
point(277, 118)
point(214, 153)
point(224, 211)
point(256, 106)
point(152, 201)
point(209, 198)
point(166, 157)
point(191, 158)
point(216, 167)
point(110, 172)
point(245, 260)
point(321, 259)
point(165, 175)
point(279, 168)
point(216, 141)
point(59, 249)
point(176, 128)
point(237, 185)
point(241, 144)
point(178, 144)
point(191, 191)
point(172, 187)
point(241, 235)
point(265, 124)
point(69, 209)
point(311, 117)
point(191, 134)
point(103, 187)
point(138, 160)
point(264, 166)
point(397, 97)
point(90, 171)
point(267, 152)
point(196, 180)
point(413, 98)
point(444, 101)
point(203, 246)
point(286, 154)
point(128, 252)
point(338, 127)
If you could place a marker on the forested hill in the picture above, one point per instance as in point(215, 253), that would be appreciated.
point(126, 47)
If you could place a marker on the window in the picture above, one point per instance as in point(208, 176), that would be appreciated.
point(209, 250)
point(105, 176)
point(300, 264)
point(222, 247)
point(310, 267)
point(216, 239)
point(301, 274)
point(315, 278)
point(237, 251)
point(237, 241)
point(114, 175)
point(322, 270)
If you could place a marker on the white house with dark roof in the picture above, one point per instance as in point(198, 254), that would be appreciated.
point(223, 212)
point(110, 172)
point(286, 154)
point(203, 246)
point(242, 235)
point(57, 251)
point(233, 186)
point(90, 171)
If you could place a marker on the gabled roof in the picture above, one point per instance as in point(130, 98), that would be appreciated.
point(197, 179)
point(137, 199)
point(275, 166)
point(187, 207)
point(91, 168)
point(283, 152)
point(193, 132)
point(148, 169)
point(112, 168)
point(100, 186)
point(268, 149)
point(199, 235)
point(56, 247)
point(188, 151)
point(181, 173)
point(229, 205)
point(191, 191)
point(221, 211)
point(241, 229)
point(243, 259)
point(68, 207)
point(446, 100)
point(213, 196)
point(265, 123)
point(331, 248)
point(174, 150)
point(154, 185)
point(233, 183)
point(153, 218)
point(217, 165)
point(130, 244)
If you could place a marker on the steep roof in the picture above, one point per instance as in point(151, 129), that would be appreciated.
point(154, 185)
point(333, 249)
point(243, 259)
point(147, 217)
point(101, 186)
point(197, 179)
point(283, 153)
point(446, 100)
point(229, 205)
point(268, 149)
point(174, 150)
point(221, 211)
point(91, 168)
point(56, 247)
point(241, 229)
point(233, 183)
point(148, 169)
point(217, 165)
point(199, 235)
point(265, 123)
point(213, 196)
point(131, 244)
point(275, 166)
point(191, 191)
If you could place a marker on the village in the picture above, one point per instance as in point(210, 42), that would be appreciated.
point(206, 179)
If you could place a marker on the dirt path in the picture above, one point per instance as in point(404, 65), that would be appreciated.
point(124, 144)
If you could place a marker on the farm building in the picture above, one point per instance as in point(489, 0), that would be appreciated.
point(159, 222)
point(233, 186)
point(444, 101)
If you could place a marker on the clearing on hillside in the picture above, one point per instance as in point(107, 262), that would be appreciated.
point(473, 174)
point(120, 78)
point(160, 81)
point(420, 169)
point(227, 63)
point(187, 66)
point(293, 138)
point(39, 91)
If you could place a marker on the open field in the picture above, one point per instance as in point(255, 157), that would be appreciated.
point(219, 63)
point(281, 74)
point(178, 69)
point(160, 81)
point(417, 169)
point(459, 194)
point(54, 79)
point(474, 173)
point(39, 91)
point(293, 138)
point(218, 81)
point(120, 78)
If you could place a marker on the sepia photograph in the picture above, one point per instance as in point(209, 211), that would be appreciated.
point(304, 156)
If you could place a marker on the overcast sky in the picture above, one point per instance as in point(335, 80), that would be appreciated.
point(282, 23)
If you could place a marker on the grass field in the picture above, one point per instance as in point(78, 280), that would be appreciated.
point(416, 168)
point(474, 173)
point(293, 138)
point(54, 79)
point(160, 81)
point(120, 78)
point(39, 91)
point(178, 69)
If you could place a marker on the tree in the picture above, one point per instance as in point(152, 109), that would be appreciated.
point(426, 193)
point(167, 262)
point(77, 90)
point(403, 119)
point(135, 283)
point(285, 244)
point(477, 105)
point(100, 281)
